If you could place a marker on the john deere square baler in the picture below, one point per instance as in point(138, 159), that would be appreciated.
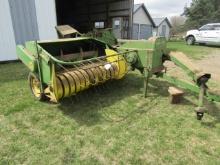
point(65, 67)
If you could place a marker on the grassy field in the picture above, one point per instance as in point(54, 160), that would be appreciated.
point(112, 124)
point(196, 51)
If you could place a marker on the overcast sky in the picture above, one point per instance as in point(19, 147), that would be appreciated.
point(164, 8)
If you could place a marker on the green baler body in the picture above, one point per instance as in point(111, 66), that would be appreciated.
point(46, 52)
point(28, 55)
point(149, 53)
point(38, 56)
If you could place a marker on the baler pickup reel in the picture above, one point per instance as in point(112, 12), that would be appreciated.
point(75, 77)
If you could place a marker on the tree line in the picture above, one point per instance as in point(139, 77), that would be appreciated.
point(199, 13)
point(202, 12)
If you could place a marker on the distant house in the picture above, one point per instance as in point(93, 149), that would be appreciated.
point(162, 28)
point(143, 23)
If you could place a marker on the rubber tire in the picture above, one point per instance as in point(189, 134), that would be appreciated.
point(42, 96)
point(190, 40)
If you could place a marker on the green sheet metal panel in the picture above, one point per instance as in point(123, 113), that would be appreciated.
point(27, 58)
point(149, 52)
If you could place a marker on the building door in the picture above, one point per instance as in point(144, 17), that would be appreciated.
point(145, 31)
point(125, 28)
point(164, 29)
point(117, 27)
point(24, 20)
point(135, 34)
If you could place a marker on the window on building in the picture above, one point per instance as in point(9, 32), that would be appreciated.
point(100, 25)
point(117, 24)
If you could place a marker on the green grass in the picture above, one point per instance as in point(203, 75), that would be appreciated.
point(195, 51)
point(112, 124)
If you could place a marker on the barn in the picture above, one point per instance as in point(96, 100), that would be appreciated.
point(36, 20)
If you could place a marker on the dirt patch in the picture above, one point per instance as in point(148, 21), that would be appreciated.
point(176, 72)
point(186, 61)
point(211, 65)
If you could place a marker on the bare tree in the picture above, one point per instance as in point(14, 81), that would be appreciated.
point(177, 24)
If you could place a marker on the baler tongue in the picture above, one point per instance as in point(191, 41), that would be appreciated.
point(181, 60)
point(199, 77)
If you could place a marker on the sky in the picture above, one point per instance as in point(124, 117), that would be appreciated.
point(164, 8)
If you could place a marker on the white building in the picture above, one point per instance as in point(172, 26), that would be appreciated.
point(143, 23)
point(162, 28)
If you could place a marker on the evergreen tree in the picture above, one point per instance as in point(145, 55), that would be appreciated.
point(202, 12)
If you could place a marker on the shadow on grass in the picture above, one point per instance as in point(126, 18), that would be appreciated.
point(160, 88)
point(214, 111)
point(85, 107)
point(211, 46)
point(206, 45)
point(12, 71)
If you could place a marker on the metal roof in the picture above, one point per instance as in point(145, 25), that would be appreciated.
point(138, 6)
point(158, 21)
